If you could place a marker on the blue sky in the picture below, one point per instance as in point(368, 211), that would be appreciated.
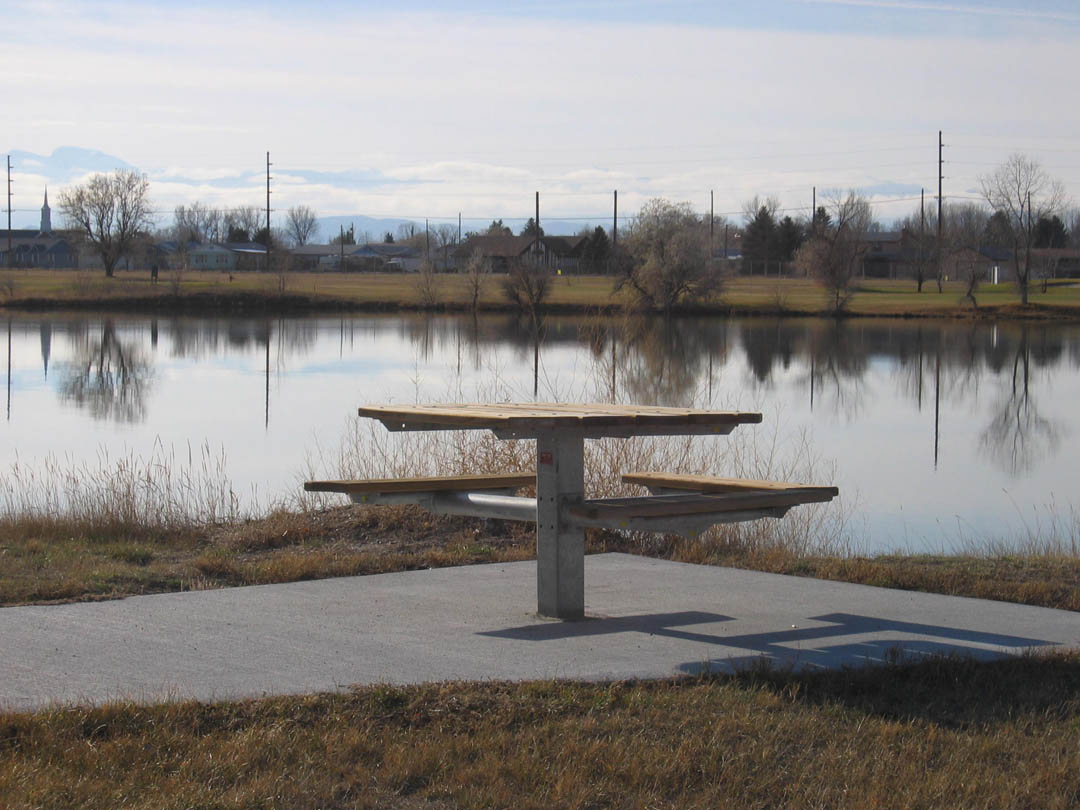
point(427, 110)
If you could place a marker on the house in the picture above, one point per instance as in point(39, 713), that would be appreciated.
point(885, 254)
point(1055, 262)
point(249, 255)
point(52, 251)
point(318, 257)
point(196, 256)
point(372, 256)
point(501, 252)
point(27, 247)
point(565, 252)
point(384, 256)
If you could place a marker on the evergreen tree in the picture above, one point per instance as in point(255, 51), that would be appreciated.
point(595, 252)
point(759, 239)
point(1050, 232)
point(530, 228)
point(789, 237)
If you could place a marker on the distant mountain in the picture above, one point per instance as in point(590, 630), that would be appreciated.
point(376, 228)
point(65, 163)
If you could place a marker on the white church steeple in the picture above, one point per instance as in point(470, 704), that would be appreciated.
point(46, 215)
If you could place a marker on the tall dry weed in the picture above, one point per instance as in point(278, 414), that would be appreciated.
point(760, 452)
point(164, 491)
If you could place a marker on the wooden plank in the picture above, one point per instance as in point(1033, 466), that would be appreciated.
point(525, 416)
point(683, 505)
point(707, 484)
point(432, 484)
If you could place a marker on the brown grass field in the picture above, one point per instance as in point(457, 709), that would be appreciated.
point(58, 560)
point(943, 733)
point(938, 733)
point(297, 291)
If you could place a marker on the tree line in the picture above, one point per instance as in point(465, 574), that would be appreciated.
point(667, 254)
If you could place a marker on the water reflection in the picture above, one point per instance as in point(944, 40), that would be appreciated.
point(997, 375)
point(109, 376)
point(1018, 434)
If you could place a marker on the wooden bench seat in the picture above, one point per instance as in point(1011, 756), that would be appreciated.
point(449, 483)
point(675, 506)
point(707, 485)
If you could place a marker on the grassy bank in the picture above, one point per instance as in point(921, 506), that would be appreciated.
point(198, 291)
point(67, 560)
point(901, 736)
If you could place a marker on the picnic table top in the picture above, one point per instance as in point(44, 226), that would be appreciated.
point(532, 416)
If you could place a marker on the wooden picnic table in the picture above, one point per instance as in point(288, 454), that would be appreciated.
point(560, 511)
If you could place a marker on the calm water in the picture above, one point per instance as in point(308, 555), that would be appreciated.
point(942, 430)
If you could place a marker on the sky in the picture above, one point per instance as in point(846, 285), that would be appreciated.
point(428, 110)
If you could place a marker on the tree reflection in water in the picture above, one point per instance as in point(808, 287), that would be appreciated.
point(1018, 434)
point(838, 361)
point(108, 376)
point(664, 358)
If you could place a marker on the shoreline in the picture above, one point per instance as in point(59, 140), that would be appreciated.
point(242, 303)
point(302, 294)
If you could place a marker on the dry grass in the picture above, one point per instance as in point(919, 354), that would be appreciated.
point(899, 736)
point(587, 293)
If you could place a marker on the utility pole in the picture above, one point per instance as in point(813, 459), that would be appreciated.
point(538, 216)
point(459, 227)
point(813, 211)
point(922, 233)
point(268, 213)
point(10, 257)
point(342, 226)
point(615, 223)
point(427, 240)
point(940, 257)
point(712, 221)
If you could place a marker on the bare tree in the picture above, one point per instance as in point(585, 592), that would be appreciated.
point(964, 226)
point(669, 261)
point(427, 285)
point(1072, 222)
point(301, 224)
point(109, 212)
point(445, 237)
point(476, 270)
point(920, 228)
point(834, 254)
point(248, 219)
point(526, 286)
point(1022, 191)
point(196, 223)
point(752, 208)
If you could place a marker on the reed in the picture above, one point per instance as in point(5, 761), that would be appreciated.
point(369, 451)
point(128, 494)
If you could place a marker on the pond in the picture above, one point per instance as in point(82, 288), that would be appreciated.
point(937, 432)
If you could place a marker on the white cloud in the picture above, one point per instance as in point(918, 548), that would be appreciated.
point(957, 8)
point(478, 113)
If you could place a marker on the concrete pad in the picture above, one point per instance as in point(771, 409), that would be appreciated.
point(648, 619)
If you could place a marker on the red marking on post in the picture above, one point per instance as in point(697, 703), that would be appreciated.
point(547, 458)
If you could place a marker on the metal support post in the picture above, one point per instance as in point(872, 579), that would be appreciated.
point(560, 547)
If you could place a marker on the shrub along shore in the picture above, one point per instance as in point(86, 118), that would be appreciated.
point(302, 293)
